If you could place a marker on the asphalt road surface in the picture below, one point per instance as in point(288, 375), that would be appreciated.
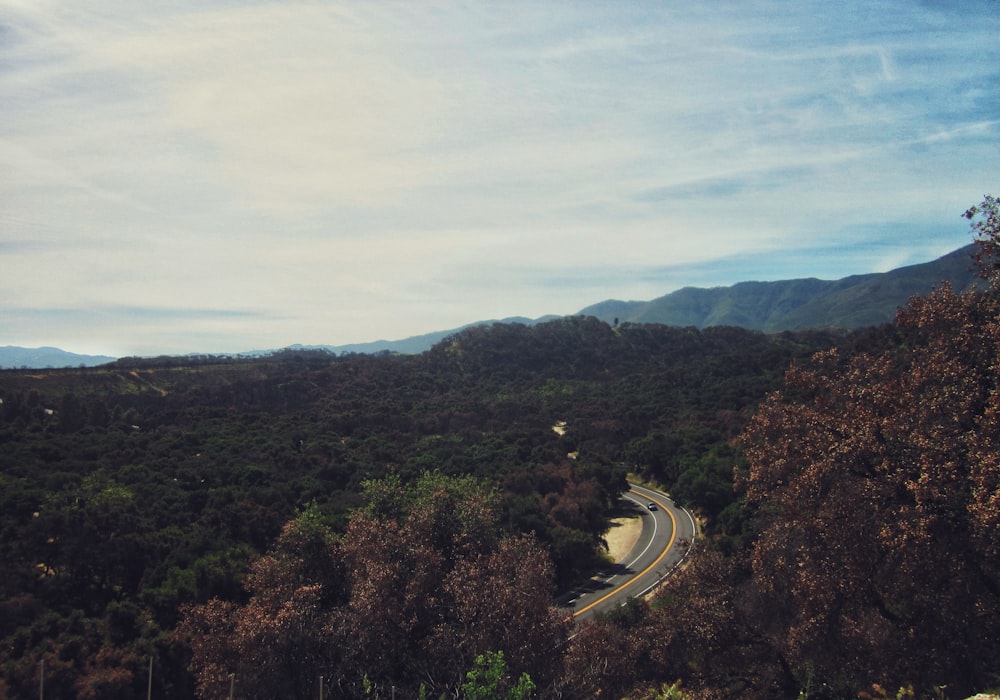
point(667, 534)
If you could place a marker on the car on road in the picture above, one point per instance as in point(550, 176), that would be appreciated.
point(651, 506)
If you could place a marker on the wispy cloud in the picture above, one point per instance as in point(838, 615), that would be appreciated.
point(344, 171)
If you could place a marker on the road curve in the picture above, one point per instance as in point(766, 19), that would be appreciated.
point(667, 534)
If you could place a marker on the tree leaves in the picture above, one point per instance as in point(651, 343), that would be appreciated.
point(404, 600)
point(875, 478)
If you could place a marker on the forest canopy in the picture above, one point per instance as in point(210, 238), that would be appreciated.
point(135, 489)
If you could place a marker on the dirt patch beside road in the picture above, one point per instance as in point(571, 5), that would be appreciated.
point(622, 536)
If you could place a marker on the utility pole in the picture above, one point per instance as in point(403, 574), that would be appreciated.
point(41, 682)
point(149, 686)
point(232, 685)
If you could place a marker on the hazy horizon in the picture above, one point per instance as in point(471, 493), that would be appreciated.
point(219, 177)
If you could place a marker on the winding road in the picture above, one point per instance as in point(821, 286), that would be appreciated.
point(667, 535)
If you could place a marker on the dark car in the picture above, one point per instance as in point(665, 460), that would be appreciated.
point(651, 506)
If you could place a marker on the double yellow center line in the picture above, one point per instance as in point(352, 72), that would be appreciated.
point(670, 544)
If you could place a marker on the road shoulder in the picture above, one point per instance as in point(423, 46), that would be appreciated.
point(622, 535)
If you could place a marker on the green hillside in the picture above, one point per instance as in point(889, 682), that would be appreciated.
point(858, 301)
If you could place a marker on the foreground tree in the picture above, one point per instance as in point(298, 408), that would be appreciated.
point(416, 589)
point(878, 491)
point(282, 639)
point(491, 680)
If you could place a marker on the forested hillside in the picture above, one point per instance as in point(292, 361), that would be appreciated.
point(134, 489)
point(857, 301)
point(391, 525)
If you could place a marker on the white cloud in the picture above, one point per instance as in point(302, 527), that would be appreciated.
point(341, 171)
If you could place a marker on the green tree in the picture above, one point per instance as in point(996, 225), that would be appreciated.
point(985, 223)
point(491, 680)
point(707, 483)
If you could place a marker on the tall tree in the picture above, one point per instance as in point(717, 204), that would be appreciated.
point(985, 223)
point(876, 480)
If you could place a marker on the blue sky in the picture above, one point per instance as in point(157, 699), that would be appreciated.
point(223, 176)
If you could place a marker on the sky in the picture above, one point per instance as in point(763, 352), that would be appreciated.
point(218, 176)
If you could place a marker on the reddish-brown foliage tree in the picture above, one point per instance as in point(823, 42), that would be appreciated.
point(876, 481)
point(697, 630)
point(415, 589)
point(503, 601)
point(610, 654)
point(281, 640)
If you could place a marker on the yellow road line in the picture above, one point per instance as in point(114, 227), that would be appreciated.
point(670, 544)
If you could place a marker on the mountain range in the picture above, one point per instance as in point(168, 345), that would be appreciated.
point(12, 356)
point(852, 302)
point(857, 301)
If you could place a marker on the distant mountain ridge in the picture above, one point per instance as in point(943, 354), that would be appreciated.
point(852, 302)
point(413, 345)
point(857, 301)
point(46, 357)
